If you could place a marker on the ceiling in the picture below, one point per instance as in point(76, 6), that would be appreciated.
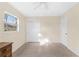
point(43, 9)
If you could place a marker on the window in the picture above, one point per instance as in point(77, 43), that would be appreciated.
point(10, 22)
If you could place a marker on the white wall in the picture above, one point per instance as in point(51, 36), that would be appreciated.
point(73, 29)
point(18, 38)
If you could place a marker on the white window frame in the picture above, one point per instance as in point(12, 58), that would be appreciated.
point(6, 12)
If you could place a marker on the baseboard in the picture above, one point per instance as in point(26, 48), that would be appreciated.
point(33, 42)
point(74, 51)
point(19, 50)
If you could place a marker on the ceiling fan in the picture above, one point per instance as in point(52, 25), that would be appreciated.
point(39, 4)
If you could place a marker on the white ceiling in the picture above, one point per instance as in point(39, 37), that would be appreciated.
point(52, 8)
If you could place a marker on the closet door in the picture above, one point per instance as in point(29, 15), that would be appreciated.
point(33, 28)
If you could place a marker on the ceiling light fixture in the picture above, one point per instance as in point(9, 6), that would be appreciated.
point(45, 4)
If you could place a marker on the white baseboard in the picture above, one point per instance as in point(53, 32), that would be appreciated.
point(75, 51)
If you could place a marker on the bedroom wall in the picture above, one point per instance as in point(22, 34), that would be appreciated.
point(18, 38)
point(73, 29)
point(49, 27)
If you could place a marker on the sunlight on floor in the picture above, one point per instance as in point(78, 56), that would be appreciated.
point(44, 41)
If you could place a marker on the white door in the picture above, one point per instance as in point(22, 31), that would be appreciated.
point(64, 32)
point(33, 28)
